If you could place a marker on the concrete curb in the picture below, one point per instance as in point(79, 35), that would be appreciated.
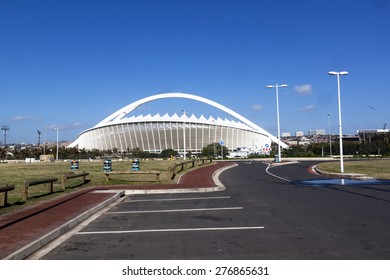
point(44, 240)
point(168, 191)
point(218, 186)
point(355, 176)
point(218, 172)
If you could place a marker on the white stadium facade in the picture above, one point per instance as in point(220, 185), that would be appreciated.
point(124, 131)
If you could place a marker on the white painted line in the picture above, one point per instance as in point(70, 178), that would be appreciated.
point(176, 210)
point(105, 191)
point(66, 235)
point(178, 199)
point(168, 230)
point(276, 176)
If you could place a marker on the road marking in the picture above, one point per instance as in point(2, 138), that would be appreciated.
point(179, 199)
point(276, 176)
point(176, 210)
point(168, 230)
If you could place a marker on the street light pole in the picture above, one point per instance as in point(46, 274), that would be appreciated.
point(276, 86)
point(330, 136)
point(184, 135)
point(338, 74)
point(57, 142)
point(5, 128)
point(44, 141)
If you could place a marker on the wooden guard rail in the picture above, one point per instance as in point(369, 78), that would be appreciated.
point(156, 173)
point(48, 181)
point(5, 189)
point(66, 177)
point(29, 183)
point(179, 167)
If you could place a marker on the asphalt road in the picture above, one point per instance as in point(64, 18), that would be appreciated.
point(258, 216)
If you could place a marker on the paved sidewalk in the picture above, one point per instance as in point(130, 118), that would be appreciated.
point(25, 231)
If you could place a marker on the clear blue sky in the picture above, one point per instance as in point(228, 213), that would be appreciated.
point(69, 64)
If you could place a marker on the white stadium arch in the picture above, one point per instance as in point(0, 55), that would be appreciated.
point(182, 133)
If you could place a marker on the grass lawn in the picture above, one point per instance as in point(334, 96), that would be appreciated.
point(17, 174)
point(377, 168)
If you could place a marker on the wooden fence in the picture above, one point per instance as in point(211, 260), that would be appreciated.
point(30, 183)
point(179, 167)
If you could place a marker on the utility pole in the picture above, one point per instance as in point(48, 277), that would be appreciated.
point(330, 136)
point(39, 137)
point(5, 128)
point(184, 114)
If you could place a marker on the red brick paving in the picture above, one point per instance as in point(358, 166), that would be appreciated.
point(25, 226)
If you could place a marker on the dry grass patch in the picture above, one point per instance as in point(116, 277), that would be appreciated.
point(17, 174)
point(377, 168)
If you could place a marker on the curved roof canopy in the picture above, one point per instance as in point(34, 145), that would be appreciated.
point(121, 114)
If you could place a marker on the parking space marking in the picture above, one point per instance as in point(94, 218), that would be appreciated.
point(176, 210)
point(178, 199)
point(169, 230)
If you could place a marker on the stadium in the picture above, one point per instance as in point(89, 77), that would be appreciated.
point(130, 128)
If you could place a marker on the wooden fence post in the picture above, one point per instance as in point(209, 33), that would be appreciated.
point(25, 191)
point(5, 189)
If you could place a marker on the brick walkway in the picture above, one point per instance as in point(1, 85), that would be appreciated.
point(27, 230)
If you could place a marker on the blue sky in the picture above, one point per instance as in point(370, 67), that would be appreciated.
point(69, 64)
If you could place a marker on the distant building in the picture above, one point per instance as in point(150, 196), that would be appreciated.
point(367, 134)
point(299, 134)
point(347, 138)
point(316, 132)
point(286, 134)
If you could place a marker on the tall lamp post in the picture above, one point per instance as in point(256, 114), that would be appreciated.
point(5, 128)
point(184, 135)
point(276, 86)
point(57, 142)
point(44, 141)
point(330, 136)
point(338, 74)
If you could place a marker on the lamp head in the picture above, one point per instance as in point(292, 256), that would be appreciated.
point(271, 86)
point(338, 73)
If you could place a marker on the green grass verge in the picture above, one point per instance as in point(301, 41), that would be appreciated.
point(379, 169)
point(17, 174)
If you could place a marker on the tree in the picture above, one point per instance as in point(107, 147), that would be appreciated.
point(2, 153)
point(214, 150)
point(168, 153)
point(138, 153)
point(295, 151)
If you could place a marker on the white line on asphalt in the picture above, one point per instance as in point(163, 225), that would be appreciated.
point(276, 176)
point(168, 230)
point(176, 210)
point(179, 199)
